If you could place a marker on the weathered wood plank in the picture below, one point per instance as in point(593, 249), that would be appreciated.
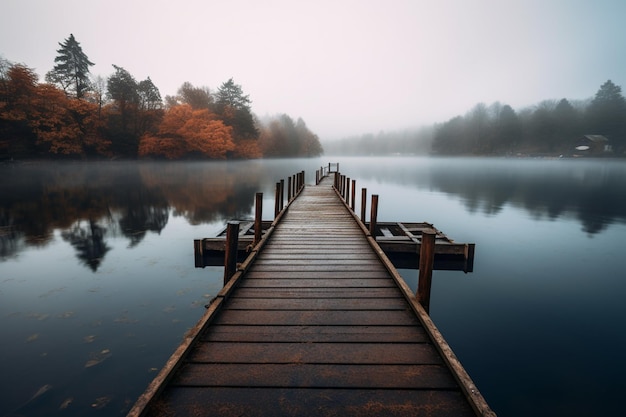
point(317, 376)
point(315, 334)
point(255, 402)
point(318, 267)
point(314, 318)
point(317, 304)
point(317, 353)
point(317, 293)
point(316, 283)
point(317, 275)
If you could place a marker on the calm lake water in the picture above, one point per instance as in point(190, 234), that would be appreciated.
point(98, 285)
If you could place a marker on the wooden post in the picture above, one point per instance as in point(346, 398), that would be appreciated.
point(302, 180)
point(374, 215)
point(198, 251)
point(336, 182)
point(363, 203)
point(427, 259)
point(277, 200)
point(282, 195)
point(347, 191)
point(289, 188)
point(230, 256)
point(258, 218)
point(353, 194)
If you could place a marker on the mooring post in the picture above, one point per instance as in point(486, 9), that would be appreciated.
point(282, 195)
point(289, 188)
point(374, 215)
point(353, 194)
point(363, 203)
point(230, 256)
point(258, 218)
point(427, 260)
point(336, 182)
point(347, 191)
point(302, 180)
point(277, 200)
point(198, 251)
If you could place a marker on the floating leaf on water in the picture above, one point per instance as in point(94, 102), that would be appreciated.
point(38, 316)
point(89, 339)
point(98, 357)
point(169, 309)
point(41, 391)
point(207, 296)
point(32, 338)
point(66, 403)
point(101, 402)
point(175, 321)
point(125, 319)
point(66, 315)
point(153, 369)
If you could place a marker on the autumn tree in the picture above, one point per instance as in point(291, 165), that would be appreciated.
point(196, 97)
point(71, 71)
point(18, 93)
point(187, 132)
point(283, 138)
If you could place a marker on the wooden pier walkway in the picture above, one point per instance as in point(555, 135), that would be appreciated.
point(317, 325)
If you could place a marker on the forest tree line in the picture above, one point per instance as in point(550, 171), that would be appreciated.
point(550, 128)
point(76, 115)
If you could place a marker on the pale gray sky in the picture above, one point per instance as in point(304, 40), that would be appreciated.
point(345, 66)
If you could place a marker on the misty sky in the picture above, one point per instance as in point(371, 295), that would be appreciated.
point(345, 67)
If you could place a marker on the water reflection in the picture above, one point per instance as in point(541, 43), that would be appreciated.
point(592, 191)
point(91, 202)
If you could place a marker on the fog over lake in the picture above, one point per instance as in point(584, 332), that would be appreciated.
point(98, 284)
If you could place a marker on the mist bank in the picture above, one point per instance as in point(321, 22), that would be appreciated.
point(411, 141)
point(589, 127)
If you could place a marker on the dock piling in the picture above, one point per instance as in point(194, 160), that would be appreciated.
point(230, 256)
point(427, 259)
point(374, 215)
point(363, 203)
point(258, 218)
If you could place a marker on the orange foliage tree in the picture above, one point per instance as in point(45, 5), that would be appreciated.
point(188, 132)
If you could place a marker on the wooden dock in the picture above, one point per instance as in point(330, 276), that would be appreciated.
point(316, 322)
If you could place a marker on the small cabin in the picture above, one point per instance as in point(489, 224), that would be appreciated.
point(592, 145)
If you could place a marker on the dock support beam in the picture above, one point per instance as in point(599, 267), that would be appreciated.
point(427, 259)
point(230, 256)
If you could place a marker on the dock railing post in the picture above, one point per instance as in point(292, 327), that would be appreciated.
point(277, 200)
point(427, 259)
point(353, 194)
point(374, 215)
point(258, 218)
point(289, 188)
point(363, 203)
point(282, 195)
point(230, 256)
point(348, 191)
